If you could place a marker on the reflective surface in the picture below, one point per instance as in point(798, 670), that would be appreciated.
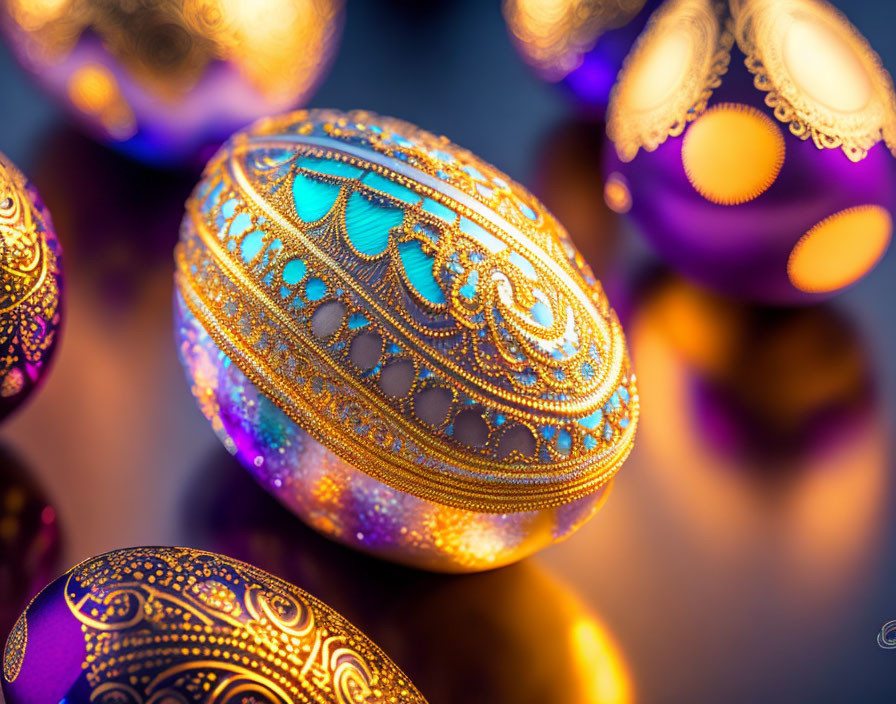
point(731, 577)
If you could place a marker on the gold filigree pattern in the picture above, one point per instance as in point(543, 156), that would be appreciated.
point(181, 625)
point(316, 230)
point(30, 292)
point(14, 653)
point(669, 76)
point(820, 75)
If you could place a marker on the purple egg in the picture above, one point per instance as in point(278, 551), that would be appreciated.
point(167, 82)
point(739, 192)
point(32, 286)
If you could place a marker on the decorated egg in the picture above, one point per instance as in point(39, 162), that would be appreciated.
point(182, 625)
point(749, 147)
point(166, 80)
point(399, 342)
point(578, 43)
point(31, 296)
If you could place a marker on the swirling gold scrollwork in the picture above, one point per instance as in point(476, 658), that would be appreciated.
point(29, 295)
point(196, 627)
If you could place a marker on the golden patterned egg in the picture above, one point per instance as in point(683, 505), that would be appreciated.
point(163, 80)
point(175, 625)
point(31, 294)
point(400, 342)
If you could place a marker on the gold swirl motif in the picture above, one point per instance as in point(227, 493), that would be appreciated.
point(821, 76)
point(669, 75)
point(14, 653)
point(29, 297)
point(479, 342)
point(181, 625)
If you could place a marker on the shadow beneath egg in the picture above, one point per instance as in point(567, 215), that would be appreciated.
point(513, 634)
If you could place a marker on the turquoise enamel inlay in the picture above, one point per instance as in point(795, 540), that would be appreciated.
point(356, 320)
point(313, 198)
point(592, 421)
point(368, 224)
point(623, 394)
point(541, 314)
point(315, 289)
point(527, 211)
point(229, 208)
point(330, 167)
point(589, 442)
point(418, 267)
point(564, 441)
point(251, 245)
point(388, 186)
point(294, 271)
point(483, 237)
point(524, 265)
point(436, 209)
point(213, 197)
point(468, 290)
point(240, 224)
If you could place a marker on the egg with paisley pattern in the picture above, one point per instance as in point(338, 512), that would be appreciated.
point(31, 288)
point(399, 342)
point(182, 625)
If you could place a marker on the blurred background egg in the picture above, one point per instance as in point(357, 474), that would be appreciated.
point(771, 184)
point(168, 81)
point(580, 44)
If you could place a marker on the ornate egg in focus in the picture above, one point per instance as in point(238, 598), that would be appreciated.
point(181, 625)
point(580, 43)
point(163, 81)
point(31, 294)
point(749, 150)
point(399, 342)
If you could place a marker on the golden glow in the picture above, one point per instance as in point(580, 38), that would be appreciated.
point(732, 153)
point(822, 63)
point(281, 47)
point(554, 34)
point(94, 91)
point(604, 678)
point(840, 249)
point(661, 70)
point(616, 193)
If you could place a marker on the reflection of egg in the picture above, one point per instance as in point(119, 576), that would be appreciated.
point(350, 282)
point(166, 79)
point(30, 288)
point(767, 183)
point(180, 625)
point(459, 638)
point(759, 419)
point(29, 539)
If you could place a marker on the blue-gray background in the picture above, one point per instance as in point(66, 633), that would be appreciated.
point(116, 443)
